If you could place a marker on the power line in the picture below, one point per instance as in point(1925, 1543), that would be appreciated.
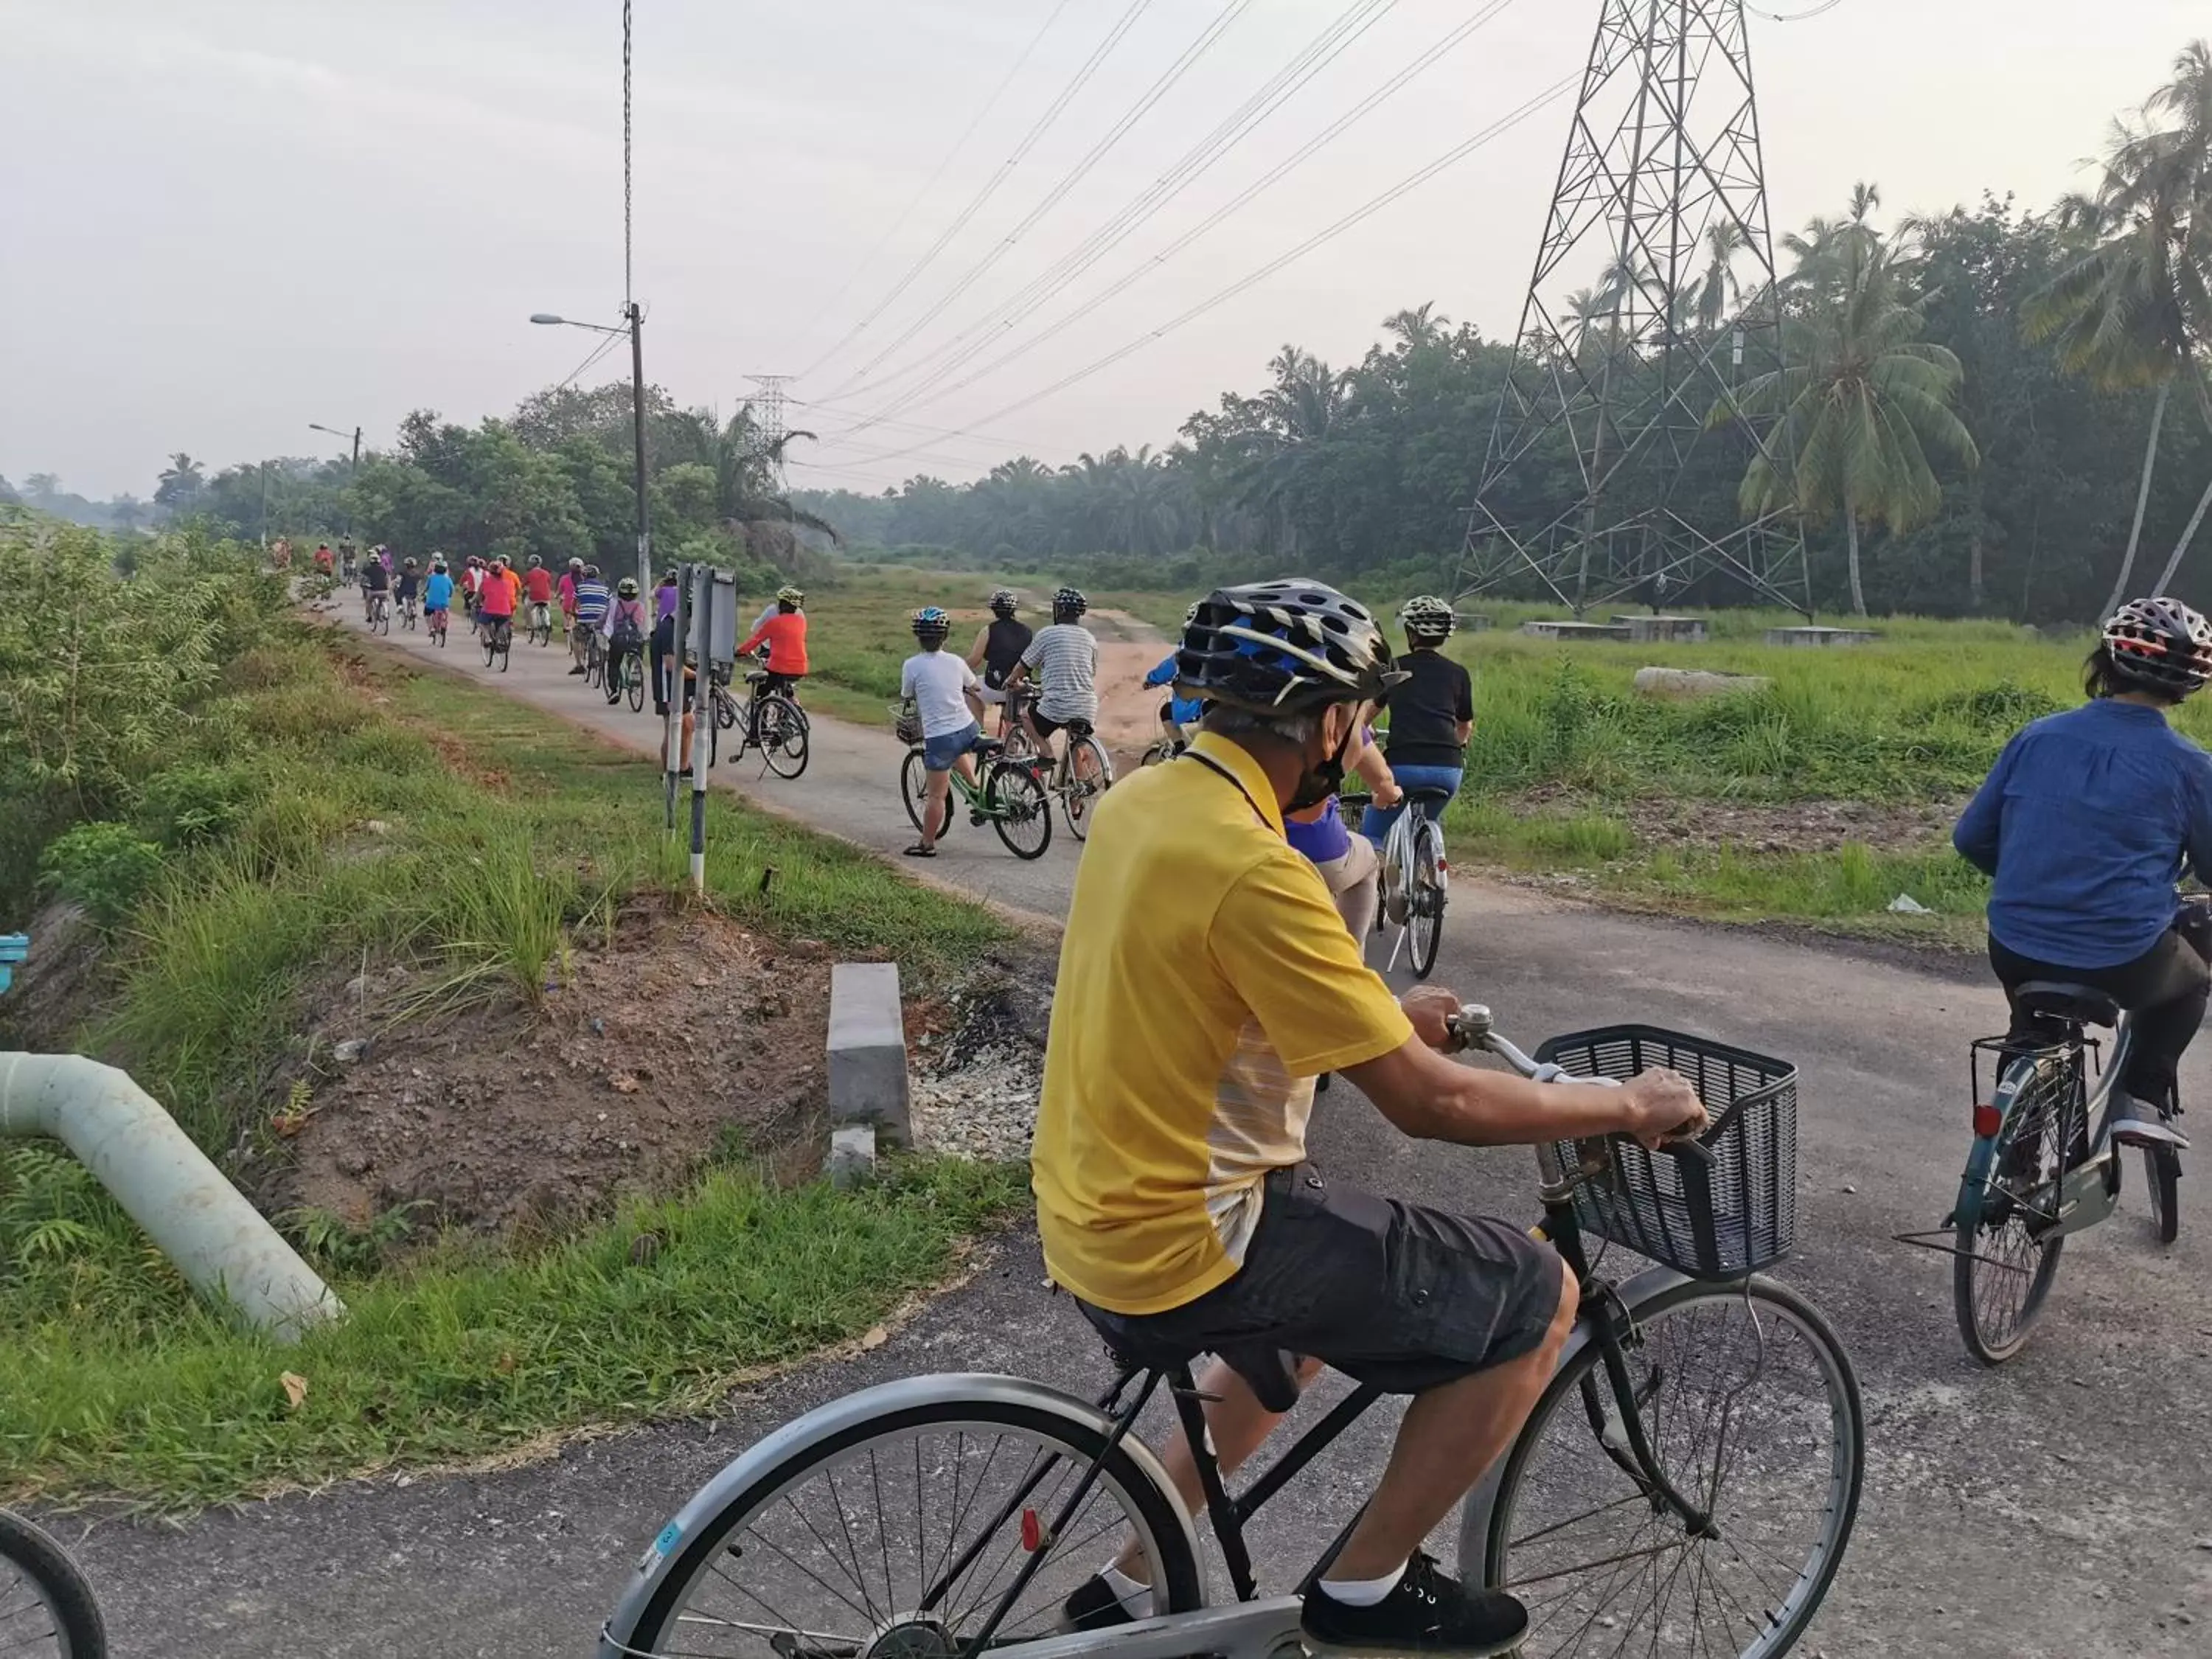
point(1317, 54)
point(969, 435)
point(596, 353)
point(933, 388)
point(1042, 125)
point(919, 195)
point(1062, 186)
point(1376, 204)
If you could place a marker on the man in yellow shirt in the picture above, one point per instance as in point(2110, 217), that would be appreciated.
point(1205, 980)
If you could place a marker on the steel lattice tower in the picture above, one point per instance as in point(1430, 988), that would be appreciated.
point(1662, 188)
point(769, 406)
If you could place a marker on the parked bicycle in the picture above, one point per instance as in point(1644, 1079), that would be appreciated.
point(1007, 793)
point(770, 719)
point(498, 642)
point(46, 1608)
point(1689, 1476)
point(2044, 1165)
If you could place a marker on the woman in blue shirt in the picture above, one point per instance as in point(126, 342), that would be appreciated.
point(2085, 824)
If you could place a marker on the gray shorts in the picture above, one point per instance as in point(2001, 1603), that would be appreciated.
point(1389, 1293)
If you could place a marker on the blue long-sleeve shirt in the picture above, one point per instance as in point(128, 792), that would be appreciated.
point(2084, 824)
point(1186, 711)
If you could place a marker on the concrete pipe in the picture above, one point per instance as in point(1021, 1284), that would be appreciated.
point(218, 1241)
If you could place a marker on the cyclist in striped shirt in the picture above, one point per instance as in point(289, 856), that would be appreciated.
point(1062, 660)
point(591, 610)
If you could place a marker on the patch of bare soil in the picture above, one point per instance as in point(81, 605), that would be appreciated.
point(1768, 827)
point(681, 1037)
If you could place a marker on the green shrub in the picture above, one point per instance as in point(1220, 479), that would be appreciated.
point(188, 805)
point(105, 867)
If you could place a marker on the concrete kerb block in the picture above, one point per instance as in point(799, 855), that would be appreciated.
point(868, 1083)
point(852, 1156)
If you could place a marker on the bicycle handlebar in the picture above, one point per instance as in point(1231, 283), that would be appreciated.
point(1474, 1026)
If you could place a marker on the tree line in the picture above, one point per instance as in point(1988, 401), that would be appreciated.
point(1975, 416)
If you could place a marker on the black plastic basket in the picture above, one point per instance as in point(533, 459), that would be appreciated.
point(1719, 1220)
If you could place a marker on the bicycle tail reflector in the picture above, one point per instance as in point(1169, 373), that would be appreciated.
point(1721, 1220)
point(1987, 1119)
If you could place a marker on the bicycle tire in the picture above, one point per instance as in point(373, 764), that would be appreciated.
point(503, 642)
point(1159, 754)
point(914, 790)
point(1424, 908)
point(712, 1552)
point(2162, 1180)
point(634, 686)
point(1970, 1267)
point(31, 1559)
point(726, 710)
point(786, 744)
point(1840, 1482)
point(1014, 800)
point(1078, 795)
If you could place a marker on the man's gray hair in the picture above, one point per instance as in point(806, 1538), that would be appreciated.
point(1226, 721)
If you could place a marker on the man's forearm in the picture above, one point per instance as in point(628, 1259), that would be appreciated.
point(1431, 1098)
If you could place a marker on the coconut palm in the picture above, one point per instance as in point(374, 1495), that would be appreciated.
point(1421, 327)
point(1288, 425)
point(1862, 403)
point(1720, 288)
point(2133, 308)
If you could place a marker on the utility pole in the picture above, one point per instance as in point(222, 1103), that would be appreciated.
point(353, 473)
point(637, 414)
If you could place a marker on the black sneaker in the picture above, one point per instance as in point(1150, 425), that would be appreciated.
point(1427, 1616)
point(1093, 1606)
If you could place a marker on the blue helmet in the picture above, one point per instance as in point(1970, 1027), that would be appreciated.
point(932, 621)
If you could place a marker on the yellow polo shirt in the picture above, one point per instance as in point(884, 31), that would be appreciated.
point(1205, 980)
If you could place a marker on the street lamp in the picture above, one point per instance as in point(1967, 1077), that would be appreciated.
point(354, 475)
point(636, 319)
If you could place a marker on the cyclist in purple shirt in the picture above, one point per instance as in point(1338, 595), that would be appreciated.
point(1347, 862)
point(2084, 825)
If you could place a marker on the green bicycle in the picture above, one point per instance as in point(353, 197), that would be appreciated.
point(1007, 794)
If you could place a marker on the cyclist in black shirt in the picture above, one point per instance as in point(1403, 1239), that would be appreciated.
point(1432, 713)
point(999, 646)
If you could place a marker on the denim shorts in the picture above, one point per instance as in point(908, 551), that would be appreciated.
point(1375, 825)
point(938, 754)
point(1391, 1293)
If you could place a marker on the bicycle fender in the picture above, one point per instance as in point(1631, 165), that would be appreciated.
point(839, 1416)
point(1474, 1515)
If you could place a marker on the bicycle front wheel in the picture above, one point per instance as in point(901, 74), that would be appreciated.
point(2004, 1262)
point(784, 738)
point(1090, 773)
point(1019, 810)
point(1754, 1415)
point(899, 1537)
point(914, 790)
point(46, 1608)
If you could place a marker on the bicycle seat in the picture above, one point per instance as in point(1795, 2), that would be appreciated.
point(986, 745)
point(1078, 728)
point(755, 676)
point(1428, 797)
point(2056, 999)
point(1273, 1372)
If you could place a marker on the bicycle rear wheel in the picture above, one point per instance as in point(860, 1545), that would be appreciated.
point(2162, 1178)
point(1089, 775)
point(46, 1608)
point(898, 1537)
point(784, 738)
point(1019, 810)
point(2002, 1268)
point(1425, 918)
point(633, 675)
point(1753, 1413)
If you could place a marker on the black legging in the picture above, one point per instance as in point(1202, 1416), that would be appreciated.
point(2166, 989)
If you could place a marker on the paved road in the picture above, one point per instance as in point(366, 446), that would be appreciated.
point(2061, 1509)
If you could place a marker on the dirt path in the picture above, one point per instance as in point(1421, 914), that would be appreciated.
point(2061, 1509)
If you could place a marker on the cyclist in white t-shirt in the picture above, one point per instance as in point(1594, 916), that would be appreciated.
point(940, 684)
point(1063, 661)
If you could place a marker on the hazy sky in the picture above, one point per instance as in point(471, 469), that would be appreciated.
point(222, 220)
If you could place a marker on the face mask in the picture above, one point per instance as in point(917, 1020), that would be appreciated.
point(1321, 781)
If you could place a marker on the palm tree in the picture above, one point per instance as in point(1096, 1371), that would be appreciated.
point(2134, 307)
point(1723, 241)
point(1862, 400)
point(1422, 327)
point(1290, 422)
point(180, 482)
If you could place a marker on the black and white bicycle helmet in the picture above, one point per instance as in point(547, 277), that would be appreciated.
point(1069, 602)
point(1004, 602)
point(2159, 645)
point(1283, 647)
point(932, 622)
point(1425, 618)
